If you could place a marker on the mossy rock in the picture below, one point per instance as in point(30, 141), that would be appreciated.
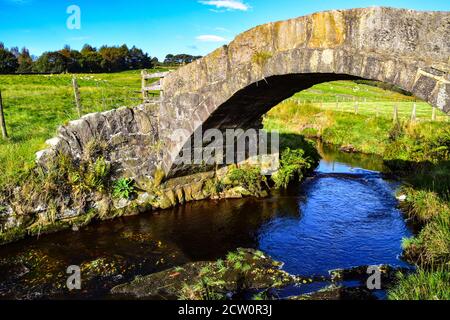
point(159, 176)
point(197, 190)
point(260, 272)
point(188, 193)
point(12, 235)
point(180, 195)
point(163, 202)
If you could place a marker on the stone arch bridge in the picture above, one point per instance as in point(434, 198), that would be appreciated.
point(238, 83)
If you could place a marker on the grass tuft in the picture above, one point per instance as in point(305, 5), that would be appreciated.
point(423, 285)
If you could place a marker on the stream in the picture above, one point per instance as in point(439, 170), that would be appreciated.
point(345, 215)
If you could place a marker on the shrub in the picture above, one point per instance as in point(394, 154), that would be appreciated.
point(422, 206)
point(90, 176)
point(62, 182)
point(418, 143)
point(247, 176)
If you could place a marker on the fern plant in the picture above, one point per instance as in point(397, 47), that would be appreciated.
point(293, 164)
point(124, 188)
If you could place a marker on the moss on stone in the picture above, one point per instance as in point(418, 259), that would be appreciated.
point(159, 177)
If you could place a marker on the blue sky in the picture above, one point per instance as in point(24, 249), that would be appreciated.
point(159, 26)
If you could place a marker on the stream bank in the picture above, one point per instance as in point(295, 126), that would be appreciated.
point(343, 216)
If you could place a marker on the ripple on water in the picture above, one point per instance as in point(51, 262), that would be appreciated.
point(346, 219)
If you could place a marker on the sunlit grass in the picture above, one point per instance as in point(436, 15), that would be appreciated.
point(370, 135)
point(343, 96)
point(423, 285)
point(36, 105)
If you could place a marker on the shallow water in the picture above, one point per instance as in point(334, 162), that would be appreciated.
point(345, 215)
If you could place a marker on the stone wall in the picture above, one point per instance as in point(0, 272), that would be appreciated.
point(130, 136)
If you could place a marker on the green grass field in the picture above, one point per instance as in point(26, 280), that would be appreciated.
point(35, 105)
point(343, 96)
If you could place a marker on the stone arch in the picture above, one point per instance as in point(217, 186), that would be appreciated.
point(236, 84)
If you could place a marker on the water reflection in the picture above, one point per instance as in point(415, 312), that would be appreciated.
point(343, 216)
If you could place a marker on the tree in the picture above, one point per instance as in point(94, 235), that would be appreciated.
point(51, 62)
point(169, 59)
point(15, 51)
point(91, 59)
point(73, 59)
point(155, 62)
point(180, 59)
point(25, 61)
point(114, 58)
point(137, 59)
point(8, 62)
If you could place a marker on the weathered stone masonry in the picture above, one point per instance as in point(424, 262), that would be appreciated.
point(130, 134)
point(235, 85)
point(238, 83)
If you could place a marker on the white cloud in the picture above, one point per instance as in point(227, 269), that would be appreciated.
point(210, 38)
point(227, 4)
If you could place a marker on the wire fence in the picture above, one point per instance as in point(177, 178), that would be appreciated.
point(95, 95)
point(412, 110)
point(34, 106)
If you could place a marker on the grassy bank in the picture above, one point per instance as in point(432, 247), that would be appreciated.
point(418, 151)
point(35, 105)
point(371, 99)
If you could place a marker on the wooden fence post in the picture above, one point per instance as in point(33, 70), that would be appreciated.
point(395, 113)
point(433, 115)
point(356, 108)
point(414, 113)
point(2, 119)
point(144, 86)
point(76, 91)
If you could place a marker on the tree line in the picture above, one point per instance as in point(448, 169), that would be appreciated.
point(179, 59)
point(88, 60)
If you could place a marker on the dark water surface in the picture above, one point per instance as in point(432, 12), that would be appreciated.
point(343, 216)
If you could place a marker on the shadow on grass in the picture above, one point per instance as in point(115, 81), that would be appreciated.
point(426, 176)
